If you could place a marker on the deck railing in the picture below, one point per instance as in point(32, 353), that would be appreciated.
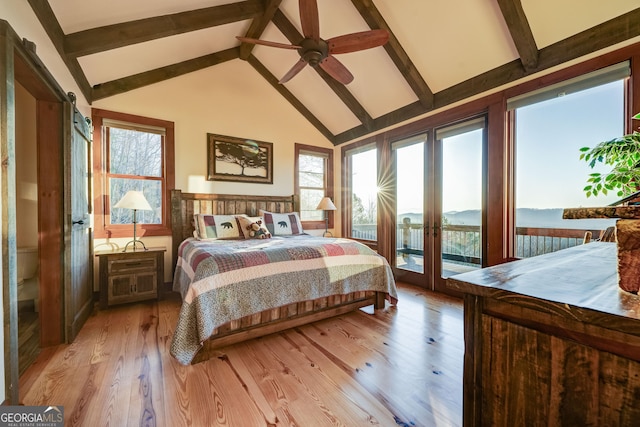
point(537, 241)
point(463, 242)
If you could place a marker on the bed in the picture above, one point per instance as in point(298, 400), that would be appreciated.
point(237, 289)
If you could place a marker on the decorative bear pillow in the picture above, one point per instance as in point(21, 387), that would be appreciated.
point(218, 226)
point(283, 224)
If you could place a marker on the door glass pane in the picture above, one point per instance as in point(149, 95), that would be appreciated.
point(410, 204)
point(364, 187)
point(549, 173)
point(461, 232)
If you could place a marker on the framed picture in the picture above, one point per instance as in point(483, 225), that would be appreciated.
point(237, 159)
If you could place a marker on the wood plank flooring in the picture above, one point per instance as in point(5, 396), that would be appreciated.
point(401, 366)
point(28, 335)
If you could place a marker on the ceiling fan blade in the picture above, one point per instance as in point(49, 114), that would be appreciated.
point(357, 41)
point(297, 67)
point(309, 19)
point(267, 43)
point(336, 69)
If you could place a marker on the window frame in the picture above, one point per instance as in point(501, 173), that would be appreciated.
point(585, 79)
point(327, 155)
point(102, 228)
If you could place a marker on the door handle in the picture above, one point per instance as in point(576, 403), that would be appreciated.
point(435, 228)
point(426, 229)
point(81, 222)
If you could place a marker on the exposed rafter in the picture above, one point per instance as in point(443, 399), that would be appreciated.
point(127, 33)
point(520, 31)
point(273, 80)
point(396, 52)
point(394, 117)
point(257, 27)
point(125, 84)
point(51, 25)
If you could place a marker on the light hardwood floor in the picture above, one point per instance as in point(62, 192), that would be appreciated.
point(28, 336)
point(402, 366)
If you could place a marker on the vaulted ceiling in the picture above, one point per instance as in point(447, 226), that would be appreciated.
point(439, 51)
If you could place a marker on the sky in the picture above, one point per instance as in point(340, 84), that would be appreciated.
point(549, 137)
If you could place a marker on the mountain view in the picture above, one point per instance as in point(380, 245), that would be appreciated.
point(526, 217)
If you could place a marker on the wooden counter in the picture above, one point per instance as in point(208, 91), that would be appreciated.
point(551, 340)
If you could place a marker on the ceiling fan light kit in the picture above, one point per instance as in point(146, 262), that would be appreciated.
point(318, 52)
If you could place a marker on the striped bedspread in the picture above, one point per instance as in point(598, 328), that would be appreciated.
point(224, 280)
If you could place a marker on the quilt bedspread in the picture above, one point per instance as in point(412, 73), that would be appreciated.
point(224, 280)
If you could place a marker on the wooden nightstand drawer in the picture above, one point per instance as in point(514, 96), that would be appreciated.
point(125, 265)
point(130, 276)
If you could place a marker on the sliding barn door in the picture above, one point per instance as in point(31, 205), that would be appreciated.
point(78, 283)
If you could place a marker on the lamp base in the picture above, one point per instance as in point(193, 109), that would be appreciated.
point(326, 226)
point(134, 242)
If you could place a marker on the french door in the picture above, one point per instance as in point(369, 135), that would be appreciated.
point(412, 157)
point(439, 187)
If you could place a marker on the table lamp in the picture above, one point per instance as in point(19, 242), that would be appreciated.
point(326, 205)
point(134, 200)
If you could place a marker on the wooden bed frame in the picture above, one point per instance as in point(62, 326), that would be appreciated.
point(184, 205)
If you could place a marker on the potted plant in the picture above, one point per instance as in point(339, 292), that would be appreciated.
point(623, 154)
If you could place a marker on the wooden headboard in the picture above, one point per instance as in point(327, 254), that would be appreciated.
point(184, 205)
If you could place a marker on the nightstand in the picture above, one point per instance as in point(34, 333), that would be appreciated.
point(130, 276)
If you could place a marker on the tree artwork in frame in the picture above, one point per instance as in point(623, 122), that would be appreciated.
point(238, 159)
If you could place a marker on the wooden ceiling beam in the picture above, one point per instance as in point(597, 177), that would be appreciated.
point(392, 118)
point(47, 18)
point(273, 81)
point(115, 36)
point(607, 34)
point(293, 35)
point(347, 97)
point(125, 84)
point(520, 30)
point(258, 26)
point(396, 52)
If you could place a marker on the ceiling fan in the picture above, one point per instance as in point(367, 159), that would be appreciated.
point(318, 52)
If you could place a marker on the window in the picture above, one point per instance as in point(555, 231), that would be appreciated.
point(550, 127)
point(132, 153)
point(362, 184)
point(313, 181)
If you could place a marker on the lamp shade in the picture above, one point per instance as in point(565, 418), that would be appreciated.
point(134, 200)
point(326, 205)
